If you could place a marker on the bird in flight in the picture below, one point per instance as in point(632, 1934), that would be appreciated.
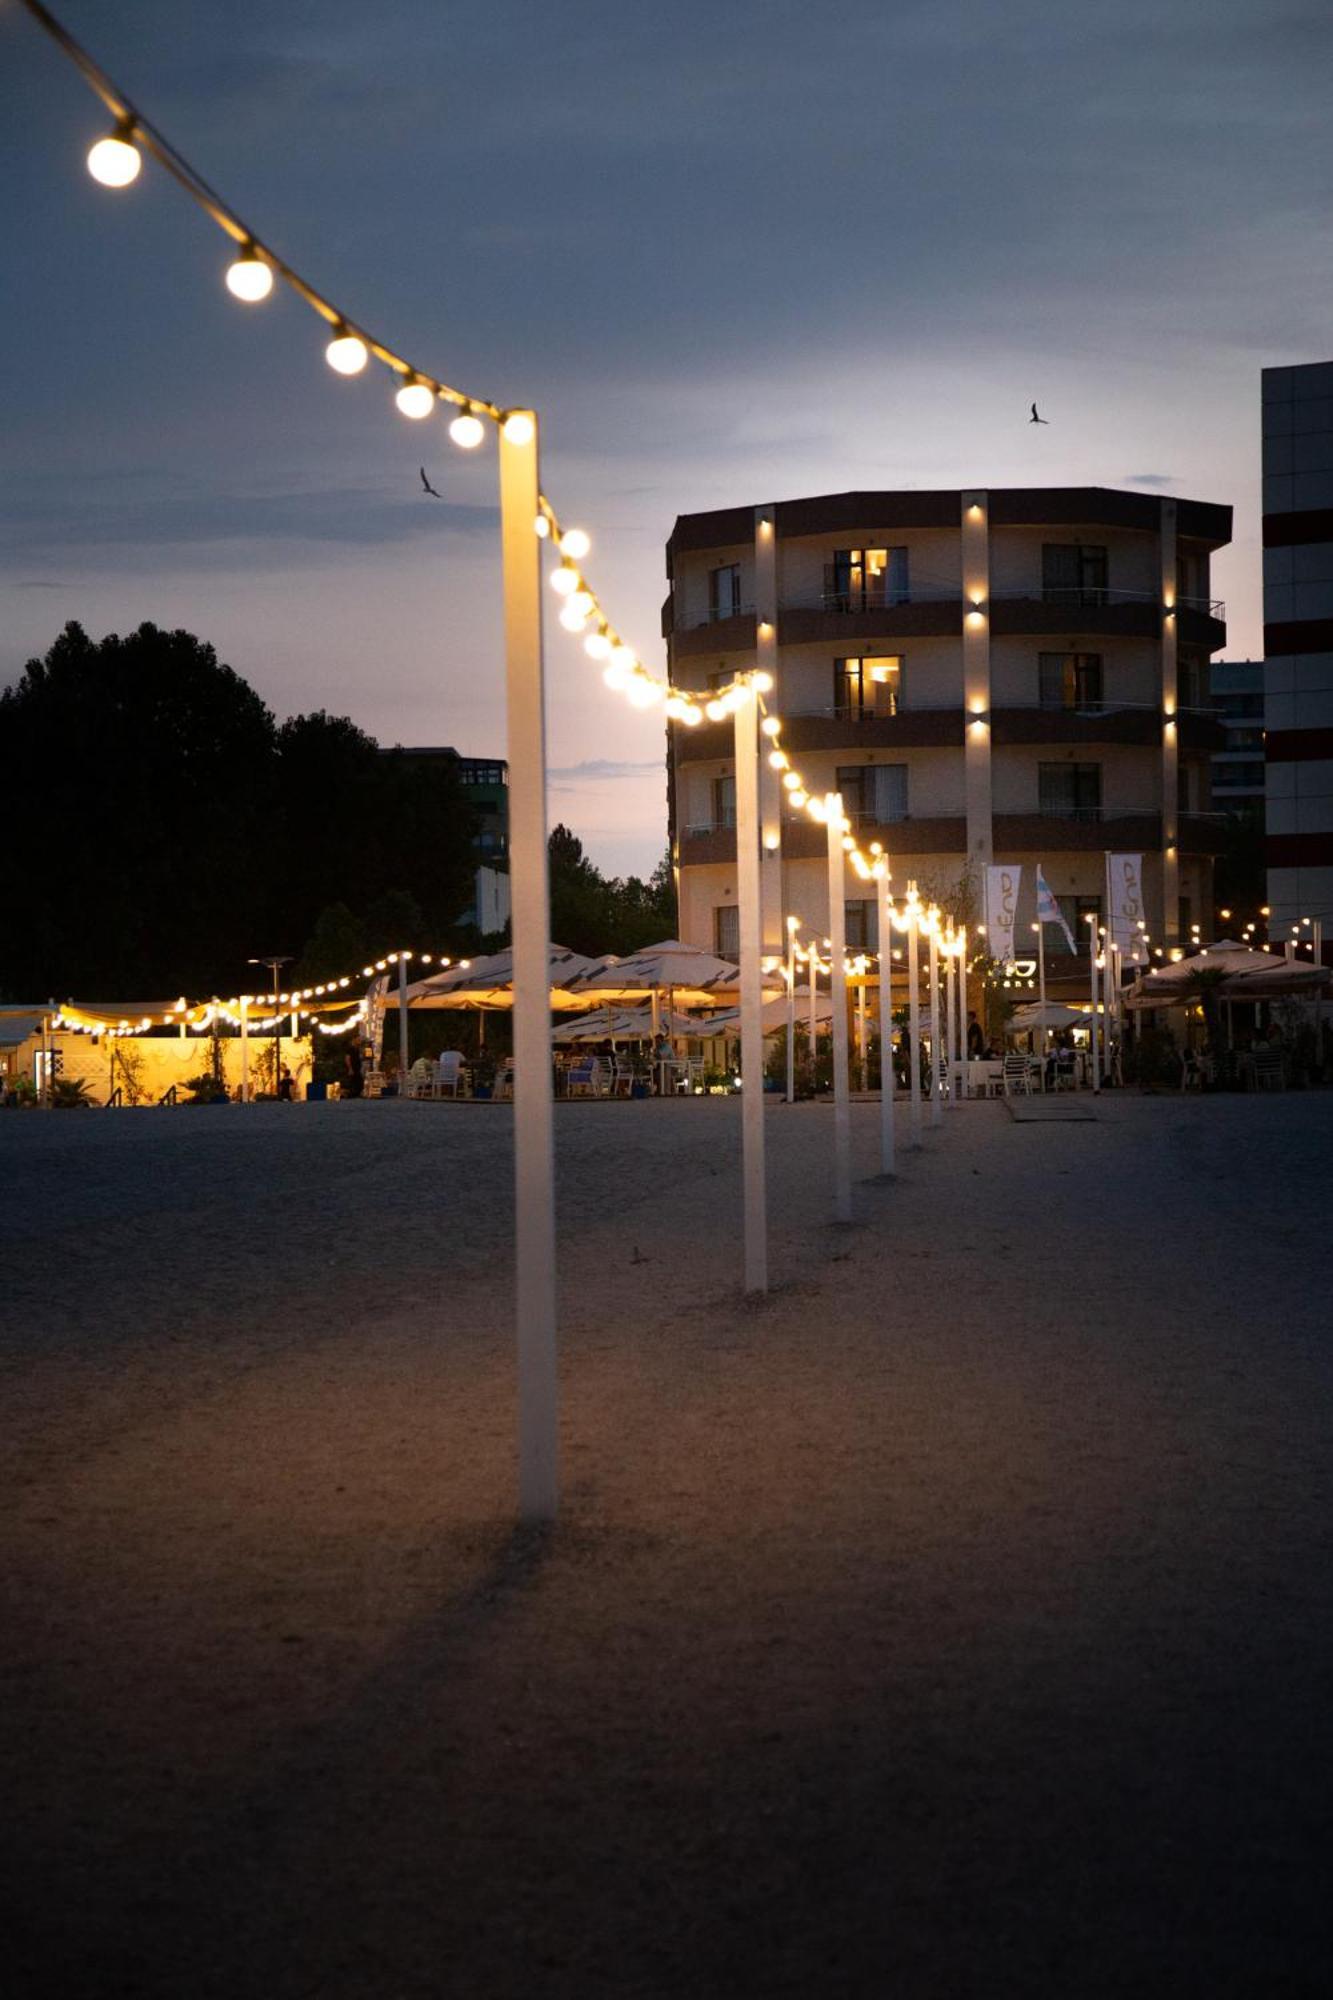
point(439, 496)
point(1033, 419)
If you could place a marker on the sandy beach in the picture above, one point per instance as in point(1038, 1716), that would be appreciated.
point(954, 1622)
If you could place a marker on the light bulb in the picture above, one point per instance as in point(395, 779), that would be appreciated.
point(762, 682)
point(575, 544)
point(623, 657)
point(467, 430)
point(415, 399)
point(792, 782)
point(541, 527)
point(692, 717)
point(572, 617)
point(675, 708)
point(778, 759)
point(346, 354)
point(642, 692)
point(614, 674)
point(715, 710)
point(519, 428)
point(597, 646)
point(583, 601)
point(249, 278)
point(564, 582)
point(115, 162)
point(771, 726)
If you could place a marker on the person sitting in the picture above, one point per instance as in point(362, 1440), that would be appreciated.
point(286, 1085)
point(976, 1040)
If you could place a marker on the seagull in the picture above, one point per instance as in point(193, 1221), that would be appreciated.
point(439, 496)
point(1034, 418)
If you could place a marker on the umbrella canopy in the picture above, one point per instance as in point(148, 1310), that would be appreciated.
point(774, 1018)
point(619, 1024)
point(671, 964)
point(489, 982)
point(1285, 981)
point(1167, 985)
point(1053, 1015)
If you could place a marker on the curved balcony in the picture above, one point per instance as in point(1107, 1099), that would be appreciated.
point(1086, 830)
point(805, 839)
point(1104, 722)
point(936, 611)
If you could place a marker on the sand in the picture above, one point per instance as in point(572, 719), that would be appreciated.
point(954, 1622)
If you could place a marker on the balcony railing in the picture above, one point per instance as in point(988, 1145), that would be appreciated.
point(858, 601)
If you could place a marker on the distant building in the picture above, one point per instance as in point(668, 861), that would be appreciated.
point(485, 783)
point(1238, 768)
point(1298, 641)
point(1018, 675)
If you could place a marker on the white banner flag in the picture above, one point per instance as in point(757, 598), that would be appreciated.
point(1002, 886)
point(1126, 913)
point(1048, 909)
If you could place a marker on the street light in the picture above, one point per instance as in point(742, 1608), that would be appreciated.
point(275, 965)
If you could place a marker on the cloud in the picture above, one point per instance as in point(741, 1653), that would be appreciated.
point(1147, 479)
point(605, 767)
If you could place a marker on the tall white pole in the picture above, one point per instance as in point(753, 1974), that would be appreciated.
point(402, 1025)
point(837, 924)
point(746, 739)
point(245, 1048)
point(936, 1102)
point(950, 1069)
point(887, 1079)
point(534, 1157)
point(1092, 1032)
point(813, 963)
point(1041, 990)
point(914, 1018)
point(964, 1080)
point(791, 1010)
point(862, 1049)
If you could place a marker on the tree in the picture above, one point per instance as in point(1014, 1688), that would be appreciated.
point(593, 913)
point(139, 779)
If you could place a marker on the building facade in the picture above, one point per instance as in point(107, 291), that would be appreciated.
point(1298, 641)
point(1016, 676)
point(1238, 768)
point(485, 786)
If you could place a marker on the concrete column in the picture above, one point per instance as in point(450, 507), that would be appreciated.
point(976, 682)
point(1170, 733)
point(770, 788)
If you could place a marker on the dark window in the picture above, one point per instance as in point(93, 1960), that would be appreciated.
point(868, 686)
point(727, 931)
point(724, 802)
point(1070, 680)
point(724, 591)
point(1186, 909)
point(1070, 791)
point(1073, 573)
point(873, 794)
point(866, 579)
point(862, 925)
point(1230, 777)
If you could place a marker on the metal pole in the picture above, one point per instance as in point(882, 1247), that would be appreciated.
point(791, 1010)
point(751, 926)
point(936, 1103)
point(1092, 1031)
point(837, 924)
point(277, 1029)
point(813, 963)
point(950, 1070)
point(964, 1080)
point(245, 1048)
point(402, 1026)
point(914, 1016)
point(887, 1079)
point(534, 1151)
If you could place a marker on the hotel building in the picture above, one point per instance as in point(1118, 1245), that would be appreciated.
point(1298, 642)
point(1017, 676)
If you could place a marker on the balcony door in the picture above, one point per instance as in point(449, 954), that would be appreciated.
point(873, 794)
point(868, 686)
point(1073, 573)
point(1069, 791)
point(866, 579)
point(1070, 680)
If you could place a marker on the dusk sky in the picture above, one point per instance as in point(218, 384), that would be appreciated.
point(732, 253)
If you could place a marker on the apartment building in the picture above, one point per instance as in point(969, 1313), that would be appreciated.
point(1238, 768)
point(1017, 676)
point(1298, 641)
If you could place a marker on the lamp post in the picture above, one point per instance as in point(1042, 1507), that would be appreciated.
point(275, 966)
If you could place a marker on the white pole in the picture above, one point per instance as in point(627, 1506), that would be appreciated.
point(402, 1026)
point(1092, 1031)
point(1041, 992)
point(837, 924)
point(791, 1010)
point(813, 962)
point(950, 1073)
point(964, 1080)
point(914, 1019)
point(861, 1034)
point(887, 1079)
point(245, 1048)
point(534, 1156)
point(751, 925)
point(936, 1103)
point(44, 1091)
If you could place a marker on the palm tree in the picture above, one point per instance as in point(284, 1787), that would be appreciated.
point(1204, 984)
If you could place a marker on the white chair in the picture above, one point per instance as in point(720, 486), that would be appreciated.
point(450, 1074)
point(1017, 1074)
point(420, 1079)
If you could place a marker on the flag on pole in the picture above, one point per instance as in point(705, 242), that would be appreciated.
point(1124, 882)
point(1049, 911)
point(1001, 910)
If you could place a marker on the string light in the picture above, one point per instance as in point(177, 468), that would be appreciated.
point(115, 161)
point(467, 430)
point(249, 278)
point(347, 353)
point(415, 399)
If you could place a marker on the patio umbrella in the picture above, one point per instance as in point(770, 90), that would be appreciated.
point(489, 982)
point(1286, 980)
point(1053, 1015)
point(1177, 984)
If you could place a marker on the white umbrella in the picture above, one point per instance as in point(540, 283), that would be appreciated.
point(489, 982)
point(1053, 1015)
point(1176, 983)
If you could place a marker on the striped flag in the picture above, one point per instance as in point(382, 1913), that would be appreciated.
point(1048, 910)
